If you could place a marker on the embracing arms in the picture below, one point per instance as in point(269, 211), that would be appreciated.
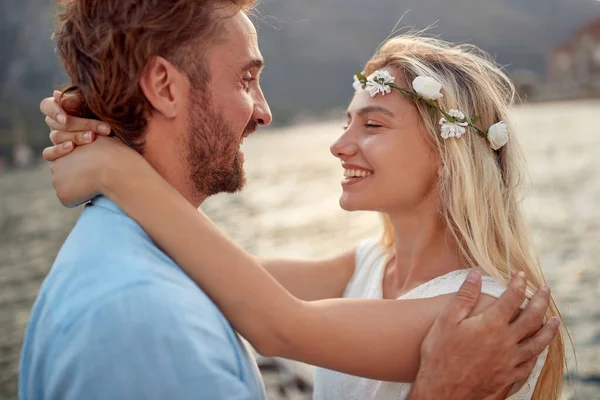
point(377, 339)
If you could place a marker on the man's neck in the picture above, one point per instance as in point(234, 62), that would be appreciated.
point(163, 153)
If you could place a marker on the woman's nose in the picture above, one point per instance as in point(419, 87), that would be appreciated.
point(343, 147)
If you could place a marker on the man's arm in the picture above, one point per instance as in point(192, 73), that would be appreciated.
point(141, 345)
point(471, 358)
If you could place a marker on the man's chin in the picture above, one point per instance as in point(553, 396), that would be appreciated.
point(236, 184)
point(233, 182)
point(230, 179)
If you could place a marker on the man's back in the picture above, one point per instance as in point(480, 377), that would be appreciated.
point(117, 319)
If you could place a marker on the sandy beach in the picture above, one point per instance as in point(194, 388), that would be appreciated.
point(290, 208)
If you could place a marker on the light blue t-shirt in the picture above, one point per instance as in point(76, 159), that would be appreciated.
point(117, 319)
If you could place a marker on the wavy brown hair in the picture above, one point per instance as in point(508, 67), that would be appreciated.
point(105, 46)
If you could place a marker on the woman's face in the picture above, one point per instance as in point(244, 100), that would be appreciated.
point(388, 164)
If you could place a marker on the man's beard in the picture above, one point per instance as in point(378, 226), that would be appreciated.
point(212, 154)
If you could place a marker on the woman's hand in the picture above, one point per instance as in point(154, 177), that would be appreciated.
point(68, 131)
point(88, 170)
point(79, 177)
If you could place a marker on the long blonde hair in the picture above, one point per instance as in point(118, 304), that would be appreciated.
point(479, 187)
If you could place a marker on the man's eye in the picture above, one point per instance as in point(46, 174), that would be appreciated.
point(246, 82)
point(373, 126)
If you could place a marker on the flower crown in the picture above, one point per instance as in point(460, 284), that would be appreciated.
point(453, 122)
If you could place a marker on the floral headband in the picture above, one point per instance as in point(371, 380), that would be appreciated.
point(453, 122)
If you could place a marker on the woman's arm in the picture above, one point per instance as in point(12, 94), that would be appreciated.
point(311, 280)
point(305, 279)
point(372, 338)
point(377, 339)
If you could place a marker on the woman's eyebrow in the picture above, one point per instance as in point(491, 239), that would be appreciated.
point(370, 109)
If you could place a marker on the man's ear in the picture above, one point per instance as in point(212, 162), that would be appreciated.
point(163, 86)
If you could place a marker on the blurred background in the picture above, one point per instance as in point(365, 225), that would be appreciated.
point(551, 48)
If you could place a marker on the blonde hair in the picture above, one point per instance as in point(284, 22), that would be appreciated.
point(479, 187)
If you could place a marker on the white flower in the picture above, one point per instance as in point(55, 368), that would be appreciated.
point(378, 82)
point(498, 135)
point(453, 129)
point(427, 87)
point(357, 85)
point(457, 114)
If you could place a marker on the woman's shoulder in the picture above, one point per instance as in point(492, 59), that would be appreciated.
point(369, 257)
point(451, 283)
point(369, 251)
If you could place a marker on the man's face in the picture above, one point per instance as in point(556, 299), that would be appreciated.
point(230, 109)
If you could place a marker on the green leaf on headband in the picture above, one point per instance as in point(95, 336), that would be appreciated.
point(433, 112)
point(361, 76)
point(475, 120)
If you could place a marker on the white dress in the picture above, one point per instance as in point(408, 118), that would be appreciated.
point(367, 283)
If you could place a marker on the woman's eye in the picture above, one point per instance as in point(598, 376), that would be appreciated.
point(372, 126)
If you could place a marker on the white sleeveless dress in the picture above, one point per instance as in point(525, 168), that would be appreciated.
point(367, 283)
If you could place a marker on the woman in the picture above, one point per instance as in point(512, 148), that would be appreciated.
point(435, 165)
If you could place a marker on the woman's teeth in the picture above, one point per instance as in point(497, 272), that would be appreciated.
point(354, 173)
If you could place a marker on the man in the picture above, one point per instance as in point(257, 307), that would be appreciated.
point(116, 318)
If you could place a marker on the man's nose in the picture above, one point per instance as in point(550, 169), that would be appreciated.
point(262, 112)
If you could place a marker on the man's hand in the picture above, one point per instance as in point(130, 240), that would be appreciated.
point(471, 358)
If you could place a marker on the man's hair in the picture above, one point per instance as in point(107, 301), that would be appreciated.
point(105, 46)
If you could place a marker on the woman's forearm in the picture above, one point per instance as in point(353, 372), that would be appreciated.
point(204, 252)
point(311, 280)
point(372, 338)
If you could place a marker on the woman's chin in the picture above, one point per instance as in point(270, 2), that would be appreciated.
point(348, 203)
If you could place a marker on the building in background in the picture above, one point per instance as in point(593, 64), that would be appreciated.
point(573, 68)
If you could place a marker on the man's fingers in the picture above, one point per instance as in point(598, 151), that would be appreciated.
point(50, 108)
point(533, 347)
point(504, 309)
point(79, 138)
point(523, 370)
point(53, 153)
point(515, 315)
point(532, 317)
point(466, 298)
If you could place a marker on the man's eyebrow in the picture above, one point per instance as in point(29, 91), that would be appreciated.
point(254, 63)
point(370, 109)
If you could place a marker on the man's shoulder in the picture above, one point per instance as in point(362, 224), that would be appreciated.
point(103, 222)
point(114, 291)
point(109, 265)
point(142, 338)
point(107, 251)
point(144, 301)
point(143, 311)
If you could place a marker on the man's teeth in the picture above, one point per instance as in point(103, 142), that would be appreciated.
point(355, 173)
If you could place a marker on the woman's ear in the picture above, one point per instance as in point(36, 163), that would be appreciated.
point(163, 86)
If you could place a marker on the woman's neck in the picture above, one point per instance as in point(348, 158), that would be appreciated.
point(423, 249)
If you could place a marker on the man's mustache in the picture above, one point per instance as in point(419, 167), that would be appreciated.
point(251, 128)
